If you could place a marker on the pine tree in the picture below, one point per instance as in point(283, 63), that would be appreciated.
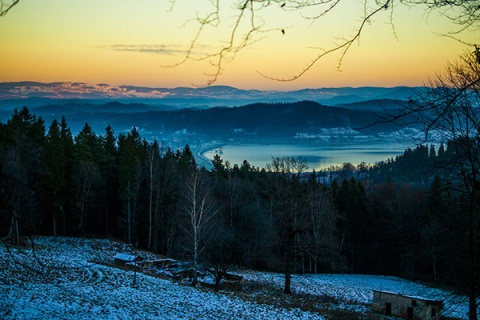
point(58, 159)
point(109, 170)
point(186, 160)
point(24, 172)
point(87, 181)
point(131, 155)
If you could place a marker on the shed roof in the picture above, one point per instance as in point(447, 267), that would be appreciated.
point(124, 257)
point(408, 296)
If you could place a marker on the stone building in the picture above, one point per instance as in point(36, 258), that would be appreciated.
point(408, 307)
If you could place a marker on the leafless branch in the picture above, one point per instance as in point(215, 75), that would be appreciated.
point(464, 13)
point(235, 42)
point(342, 47)
point(324, 12)
point(5, 6)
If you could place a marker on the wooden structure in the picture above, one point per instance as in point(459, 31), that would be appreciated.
point(407, 307)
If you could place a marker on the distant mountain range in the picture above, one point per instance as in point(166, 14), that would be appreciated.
point(217, 115)
point(35, 94)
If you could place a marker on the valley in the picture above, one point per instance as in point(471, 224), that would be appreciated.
point(330, 128)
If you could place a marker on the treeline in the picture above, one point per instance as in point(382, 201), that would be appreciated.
point(259, 120)
point(378, 220)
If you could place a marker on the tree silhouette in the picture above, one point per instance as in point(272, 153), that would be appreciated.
point(249, 22)
point(448, 112)
point(58, 160)
point(22, 161)
point(6, 5)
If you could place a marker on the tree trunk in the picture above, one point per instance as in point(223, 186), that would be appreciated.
point(14, 234)
point(218, 279)
point(472, 295)
point(107, 231)
point(195, 258)
point(64, 224)
point(194, 276)
point(129, 225)
point(288, 281)
point(150, 205)
point(54, 225)
point(17, 231)
point(472, 305)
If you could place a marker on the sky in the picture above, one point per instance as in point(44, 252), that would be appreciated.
point(137, 42)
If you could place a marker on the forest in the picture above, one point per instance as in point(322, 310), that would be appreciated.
point(401, 217)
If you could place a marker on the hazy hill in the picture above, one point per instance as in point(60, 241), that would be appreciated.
point(265, 120)
point(12, 94)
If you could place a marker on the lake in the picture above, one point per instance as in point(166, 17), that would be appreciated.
point(318, 156)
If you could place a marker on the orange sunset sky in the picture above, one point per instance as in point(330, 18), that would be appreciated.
point(129, 42)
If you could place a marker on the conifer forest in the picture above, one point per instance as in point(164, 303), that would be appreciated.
point(406, 216)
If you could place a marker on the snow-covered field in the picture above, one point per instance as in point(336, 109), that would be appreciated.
point(354, 292)
point(57, 280)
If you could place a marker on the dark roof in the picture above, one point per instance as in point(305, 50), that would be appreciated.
point(408, 296)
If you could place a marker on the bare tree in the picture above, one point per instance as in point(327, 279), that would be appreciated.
point(449, 113)
point(287, 211)
point(220, 250)
point(200, 209)
point(322, 244)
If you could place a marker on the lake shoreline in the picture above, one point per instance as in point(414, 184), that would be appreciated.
point(319, 156)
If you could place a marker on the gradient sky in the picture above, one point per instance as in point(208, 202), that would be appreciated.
point(128, 42)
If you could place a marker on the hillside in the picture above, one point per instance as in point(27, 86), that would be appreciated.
point(378, 105)
point(259, 120)
point(59, 280)
point(262, 120)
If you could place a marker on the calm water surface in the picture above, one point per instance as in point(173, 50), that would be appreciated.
point(317, 156)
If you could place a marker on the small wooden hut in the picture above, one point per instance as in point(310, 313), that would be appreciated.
point(408, 307)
